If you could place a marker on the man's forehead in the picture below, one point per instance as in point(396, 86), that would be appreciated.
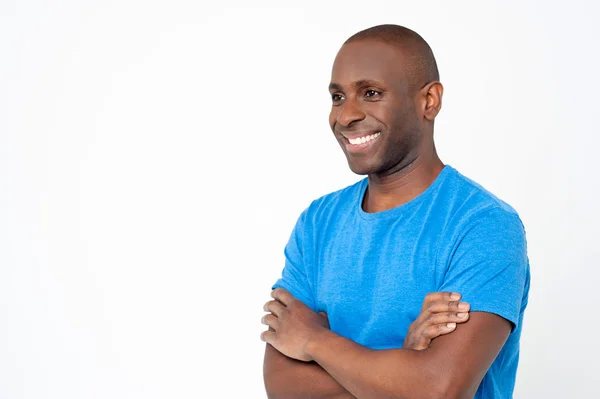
point(368, 59)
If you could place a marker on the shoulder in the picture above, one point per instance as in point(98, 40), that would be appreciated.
point(471, 202)
point(485, 252)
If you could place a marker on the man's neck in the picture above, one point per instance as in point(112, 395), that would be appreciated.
point(402, 186)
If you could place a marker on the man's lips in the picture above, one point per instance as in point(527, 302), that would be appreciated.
point(360, 142)
point(360, 138)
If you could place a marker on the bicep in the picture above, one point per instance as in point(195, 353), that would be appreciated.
point(296, 274)
point(467, 353)
point(491, 258)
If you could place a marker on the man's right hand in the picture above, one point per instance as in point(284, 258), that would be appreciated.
point(440, 314)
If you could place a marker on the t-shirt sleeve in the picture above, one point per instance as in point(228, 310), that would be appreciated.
point(295, 276)
point(489, 265)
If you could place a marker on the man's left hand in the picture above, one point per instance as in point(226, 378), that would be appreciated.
point(292, 325)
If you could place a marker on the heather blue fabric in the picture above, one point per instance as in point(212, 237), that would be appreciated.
point(371, 271)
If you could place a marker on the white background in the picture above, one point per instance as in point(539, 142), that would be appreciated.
point(154, 157)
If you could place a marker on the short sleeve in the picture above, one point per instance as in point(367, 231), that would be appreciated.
point(295, 276)
point(489, 265)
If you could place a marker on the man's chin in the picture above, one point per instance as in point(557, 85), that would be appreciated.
point(361, 168)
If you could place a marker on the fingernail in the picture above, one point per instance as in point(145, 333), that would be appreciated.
point(461, 315)
point(455, 296)
point(463, 306)
point(451, 325)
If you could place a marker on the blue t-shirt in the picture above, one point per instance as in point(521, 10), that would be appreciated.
point(371, 271)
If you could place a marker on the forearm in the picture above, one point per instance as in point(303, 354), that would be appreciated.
point(287, 378)
point(373, 374)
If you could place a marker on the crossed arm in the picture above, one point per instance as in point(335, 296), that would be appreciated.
point(329, 366)
point(287, 378)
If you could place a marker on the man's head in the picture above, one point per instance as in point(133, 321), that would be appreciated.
point(385, 96)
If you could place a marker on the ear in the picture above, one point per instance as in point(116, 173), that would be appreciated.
point(432, 95)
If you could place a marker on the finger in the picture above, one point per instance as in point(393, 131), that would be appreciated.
point(440, 306)
point(419, 345)
point(445, 317)
point(324, 315)
point(267, 336)
point(445, 296)
point(447, 306)
point(282, 296)
point(274, 307)
point(435, 331)
point(270, 320)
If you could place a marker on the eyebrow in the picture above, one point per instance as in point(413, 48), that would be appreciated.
point(355, 85)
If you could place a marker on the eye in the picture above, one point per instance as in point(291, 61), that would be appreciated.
point(336, 97)
point(372, 93)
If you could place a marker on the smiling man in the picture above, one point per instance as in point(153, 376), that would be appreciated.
point(360, 260)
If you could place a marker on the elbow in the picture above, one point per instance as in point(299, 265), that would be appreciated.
point(443, 385)
point(272, 377)
point(271, 392)
point(275, 394)
point(277, 386)
point(449, 388)
point(272, 395)
point(271, 387)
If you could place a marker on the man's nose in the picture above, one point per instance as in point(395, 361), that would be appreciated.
point(349, 113)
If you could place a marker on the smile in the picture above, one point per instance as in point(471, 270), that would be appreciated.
point(363, 139)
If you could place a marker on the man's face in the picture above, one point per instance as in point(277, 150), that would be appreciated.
point(374, 107)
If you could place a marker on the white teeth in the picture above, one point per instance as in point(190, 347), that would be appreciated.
point(362, 140)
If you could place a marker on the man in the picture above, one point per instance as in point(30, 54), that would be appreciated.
point(360, 260)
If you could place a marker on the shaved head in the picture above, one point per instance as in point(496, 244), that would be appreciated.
point(419, 62)
point(385, 90)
